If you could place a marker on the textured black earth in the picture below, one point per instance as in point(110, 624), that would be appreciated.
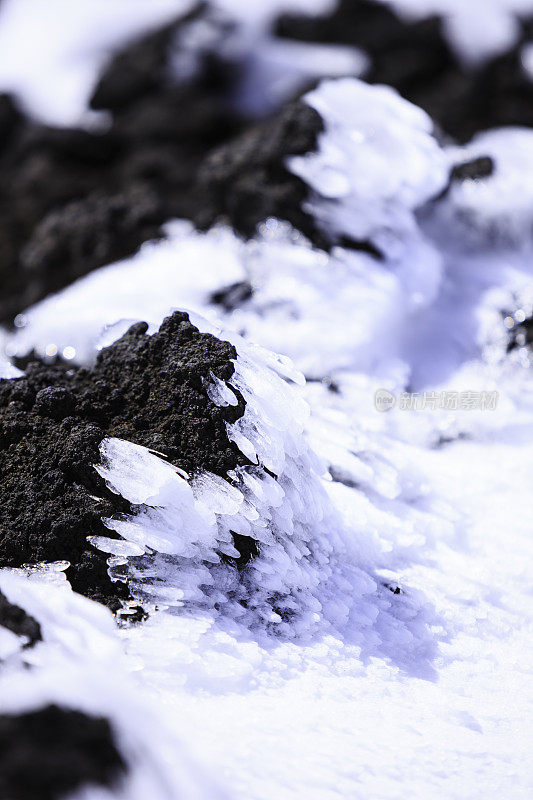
point(49, 753)
point(415, 58)
point(18, 621)
point(145, 389)
point(73, 200)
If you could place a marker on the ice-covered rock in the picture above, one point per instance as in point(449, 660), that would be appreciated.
point(304, 568)
point(465, 64)
point(390, 193)
point(376, 163)
point(488, 211)
point(147, 389)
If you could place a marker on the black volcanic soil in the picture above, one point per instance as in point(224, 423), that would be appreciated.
point(245, 181)
point(52, 752)
point(72, 200)
point(18, 621)
point(146, 389)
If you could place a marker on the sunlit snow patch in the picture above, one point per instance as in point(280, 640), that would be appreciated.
point(74, 679)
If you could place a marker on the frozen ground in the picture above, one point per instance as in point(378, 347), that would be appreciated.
point(379, 646)
point(327, 720)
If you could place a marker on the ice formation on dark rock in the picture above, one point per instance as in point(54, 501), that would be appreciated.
point(247, 181)
point(306, 496)
point(147, 389)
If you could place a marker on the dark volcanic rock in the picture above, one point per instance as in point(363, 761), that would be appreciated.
point(85, 234)
point(146, 389)
point(136, 71)
point(415, 58)
point(15, 619)
point(233, 296)
point(474, 170)
point(72, 200)
point(482, 167)
point(52, 752)
point(246, 181)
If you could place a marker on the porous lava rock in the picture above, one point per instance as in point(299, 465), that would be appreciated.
point(246, 181)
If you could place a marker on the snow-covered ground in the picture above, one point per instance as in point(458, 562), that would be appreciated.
point(396, 660)
point(332, 719)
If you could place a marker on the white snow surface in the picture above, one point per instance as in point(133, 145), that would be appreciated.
point(380, 644)
point(80, 665)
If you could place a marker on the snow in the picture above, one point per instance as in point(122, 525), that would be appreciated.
point(80, 665)
point(53, 50)
point(376, 162)
point(71, 626)
point(327, 719)
point(76, 317)
point(379, 644)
